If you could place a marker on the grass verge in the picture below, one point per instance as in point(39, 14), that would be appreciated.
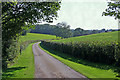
point(23, 66)
point(97, 71)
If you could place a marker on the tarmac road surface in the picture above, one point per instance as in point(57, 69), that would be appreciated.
point(48, 67)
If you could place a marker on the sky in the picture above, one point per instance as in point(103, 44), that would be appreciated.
point(86, 14)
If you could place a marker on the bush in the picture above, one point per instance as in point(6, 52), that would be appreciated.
point(102, 52)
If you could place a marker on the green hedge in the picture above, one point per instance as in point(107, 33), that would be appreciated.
point(103, 52)
point(15, 48)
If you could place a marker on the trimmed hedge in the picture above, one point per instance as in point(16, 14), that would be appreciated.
point(102, 52)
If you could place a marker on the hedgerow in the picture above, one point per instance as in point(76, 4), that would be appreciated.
point(94, 51)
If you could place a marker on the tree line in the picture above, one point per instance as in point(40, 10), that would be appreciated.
point(63, 30)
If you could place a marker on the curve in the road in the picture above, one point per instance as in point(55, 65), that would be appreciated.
point(48, 67)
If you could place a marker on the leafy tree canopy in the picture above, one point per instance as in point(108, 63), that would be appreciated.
point(18, 16)
point(113, 9)
point(15, 15)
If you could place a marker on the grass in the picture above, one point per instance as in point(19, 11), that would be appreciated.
point(23, 66)
point(90, 70)
point(109, 36)
point(34, 36)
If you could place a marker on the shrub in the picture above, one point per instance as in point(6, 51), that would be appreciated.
point(102, 52)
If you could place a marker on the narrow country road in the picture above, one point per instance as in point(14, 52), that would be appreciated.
point(48, 67)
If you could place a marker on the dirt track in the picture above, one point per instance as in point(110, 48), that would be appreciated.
point(48, 67)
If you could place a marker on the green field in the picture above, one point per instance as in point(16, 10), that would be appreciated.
point(109, 36)
point(34, 36)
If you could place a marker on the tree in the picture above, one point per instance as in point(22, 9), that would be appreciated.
point(63, 30)
point(15, 15)
point(60, 30)
point(44, 29)
point(113, 9)
point(78, 32)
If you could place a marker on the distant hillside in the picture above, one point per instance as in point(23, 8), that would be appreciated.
point(34, 36)
point(109, 36)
